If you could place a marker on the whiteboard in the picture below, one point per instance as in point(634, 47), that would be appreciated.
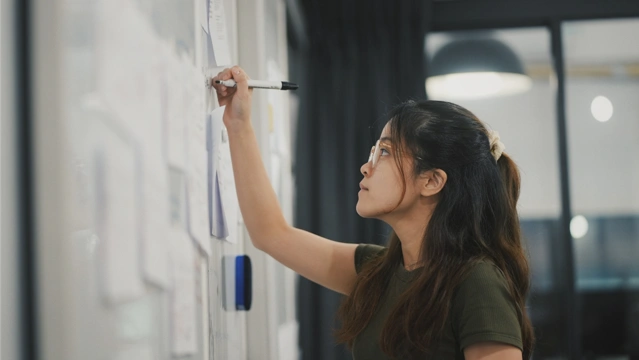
point(10, 302)
point(120, 272)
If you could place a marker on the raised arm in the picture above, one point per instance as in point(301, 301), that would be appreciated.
point(326, 262)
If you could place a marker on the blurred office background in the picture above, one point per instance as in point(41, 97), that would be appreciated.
point(569, 118)
point(559, 81)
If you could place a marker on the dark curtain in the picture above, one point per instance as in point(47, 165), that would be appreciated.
point(355, 61)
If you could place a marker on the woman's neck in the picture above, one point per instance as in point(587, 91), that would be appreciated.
point(410, 227)
point(411, 235)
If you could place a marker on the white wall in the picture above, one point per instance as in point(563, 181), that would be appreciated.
point(9, 291)
point(604, 166)
point(526, 124)
point(604, 170)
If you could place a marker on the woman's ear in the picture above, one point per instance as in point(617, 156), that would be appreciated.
point(432, 182)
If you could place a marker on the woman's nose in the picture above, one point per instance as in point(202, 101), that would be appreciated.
point(365, 169)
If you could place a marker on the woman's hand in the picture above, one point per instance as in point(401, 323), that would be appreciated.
point(237, 99)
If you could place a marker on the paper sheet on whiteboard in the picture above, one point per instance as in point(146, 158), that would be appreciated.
point(202, 9)
point(227, 194)
point(136, 352)
point(218, 33)
point(177, 108)
point(117, 216)
point(120, 80)
point(155, 177)
point(218, 225)
point(183, 305)
point(197, 175)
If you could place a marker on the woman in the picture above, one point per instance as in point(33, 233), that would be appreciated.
point(453, 281)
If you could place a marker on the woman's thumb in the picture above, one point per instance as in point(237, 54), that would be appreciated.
point(241, 79)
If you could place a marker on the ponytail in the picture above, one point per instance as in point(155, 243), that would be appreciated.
point(519, 270)
point(510, 176)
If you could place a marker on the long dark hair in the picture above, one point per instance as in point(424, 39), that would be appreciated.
point(475, 219)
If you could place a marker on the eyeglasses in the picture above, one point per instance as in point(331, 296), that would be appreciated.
point(376, 153)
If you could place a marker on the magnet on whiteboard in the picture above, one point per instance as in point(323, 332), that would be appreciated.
point(243, 283)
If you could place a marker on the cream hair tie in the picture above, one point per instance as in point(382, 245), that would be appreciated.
point(496, 146)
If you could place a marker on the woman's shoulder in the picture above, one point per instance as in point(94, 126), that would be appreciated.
point(483, 308)
point(483, 276)
point(484, 270)
point(484, 286)
point(365, 253)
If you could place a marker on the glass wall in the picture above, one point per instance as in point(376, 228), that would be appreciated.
point(526, 123)
point(602, 93)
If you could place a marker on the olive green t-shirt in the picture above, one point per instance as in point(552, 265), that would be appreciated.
point(481, 310)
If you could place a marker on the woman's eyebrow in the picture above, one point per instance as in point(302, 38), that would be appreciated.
point(385, 138)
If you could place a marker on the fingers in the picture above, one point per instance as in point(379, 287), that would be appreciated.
point(241, 79)
point(222, 75)
point(238, 75)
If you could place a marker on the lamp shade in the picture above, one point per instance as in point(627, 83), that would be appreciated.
point(475, 68)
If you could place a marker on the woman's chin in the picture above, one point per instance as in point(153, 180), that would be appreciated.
point(358, 208)
point(361, 211)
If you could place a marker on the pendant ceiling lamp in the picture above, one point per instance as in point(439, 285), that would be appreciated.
point(475, 69)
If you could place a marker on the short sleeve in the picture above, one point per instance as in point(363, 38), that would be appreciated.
point(365, 253)
point(483, 310)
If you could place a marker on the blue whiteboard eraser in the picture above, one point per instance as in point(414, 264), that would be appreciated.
point(243, 283)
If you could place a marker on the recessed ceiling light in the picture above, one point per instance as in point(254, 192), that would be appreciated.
point(601, 108)
point(578, 226)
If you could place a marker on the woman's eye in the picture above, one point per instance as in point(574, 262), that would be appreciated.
point(384, 151)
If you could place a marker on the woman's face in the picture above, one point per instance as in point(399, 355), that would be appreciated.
point(381, 188)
